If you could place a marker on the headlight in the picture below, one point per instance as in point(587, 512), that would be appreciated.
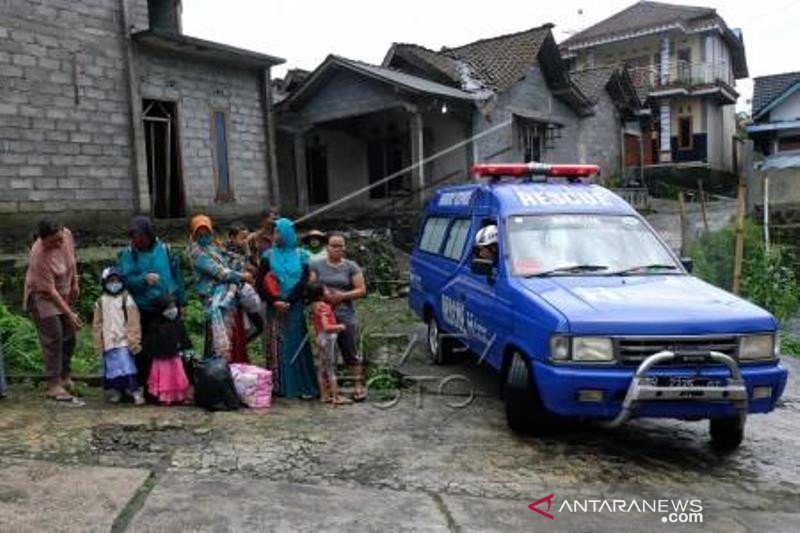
point(592, 349)
point(559, 348)
point(757, 347)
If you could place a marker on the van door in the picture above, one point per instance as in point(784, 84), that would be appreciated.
point(487, 308)
point(453, 254)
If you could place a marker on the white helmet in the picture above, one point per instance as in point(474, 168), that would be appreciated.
point(486, 236)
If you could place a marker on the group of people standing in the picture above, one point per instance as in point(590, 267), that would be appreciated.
point(248, 284)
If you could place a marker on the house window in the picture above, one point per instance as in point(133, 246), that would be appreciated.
point(684, 133)
point(791, 142)
point(219, 137)
point(684, 64)
point(530, 140)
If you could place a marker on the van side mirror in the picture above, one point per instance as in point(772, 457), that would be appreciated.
point(688, 264)
point(481, 266)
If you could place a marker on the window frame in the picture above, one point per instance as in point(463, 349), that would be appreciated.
point(453, 222)
point(219, 194)
point(448, 221)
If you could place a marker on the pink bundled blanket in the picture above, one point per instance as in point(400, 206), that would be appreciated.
point(253, 385)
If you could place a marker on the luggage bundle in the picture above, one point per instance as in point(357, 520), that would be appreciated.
point(213, 385)
point(253, 385)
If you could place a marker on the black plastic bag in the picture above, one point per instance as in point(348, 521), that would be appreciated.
point(213, 385)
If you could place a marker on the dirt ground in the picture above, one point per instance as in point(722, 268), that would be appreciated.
point(425, 463)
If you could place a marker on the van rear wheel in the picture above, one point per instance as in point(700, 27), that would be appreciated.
point(440, 348)
point(524, 410)
point(726, 433)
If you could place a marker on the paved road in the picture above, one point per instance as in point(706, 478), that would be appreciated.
point(666, 218)
point(420, 465)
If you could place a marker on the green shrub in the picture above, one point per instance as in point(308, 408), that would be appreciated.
point(20, 343)
point(790, 346)
point(768, 279)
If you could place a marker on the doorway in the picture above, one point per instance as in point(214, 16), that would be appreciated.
point(164, 176)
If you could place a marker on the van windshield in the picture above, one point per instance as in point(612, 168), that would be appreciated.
point(575, 244)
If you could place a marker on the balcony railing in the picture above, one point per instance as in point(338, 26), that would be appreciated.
point(680, 73)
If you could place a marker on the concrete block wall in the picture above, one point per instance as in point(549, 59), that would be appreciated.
point(64, 126)
point(531, 94)
point(199, 89)
point(599, 138)
point(594, 139)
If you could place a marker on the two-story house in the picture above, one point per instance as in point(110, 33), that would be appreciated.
point(684, 62)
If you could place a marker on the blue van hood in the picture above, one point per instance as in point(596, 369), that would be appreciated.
point(648, 305)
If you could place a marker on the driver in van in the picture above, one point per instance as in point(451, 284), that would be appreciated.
point(486, 243)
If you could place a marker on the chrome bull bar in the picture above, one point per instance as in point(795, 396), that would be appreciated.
point(641, 389)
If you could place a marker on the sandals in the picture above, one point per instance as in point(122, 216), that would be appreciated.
point(359, 396)
point(341, 401)
point(66, 399)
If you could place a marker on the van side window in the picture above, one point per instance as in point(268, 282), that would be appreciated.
point(456, 238)
point(433, 234)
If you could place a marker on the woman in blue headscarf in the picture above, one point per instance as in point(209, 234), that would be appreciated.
point(283, 275)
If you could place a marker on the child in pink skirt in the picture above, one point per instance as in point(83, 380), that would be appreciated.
point(168, 382)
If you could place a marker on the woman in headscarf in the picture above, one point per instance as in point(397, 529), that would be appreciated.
point(282, 278)
point(151, 272)
point(218, 286)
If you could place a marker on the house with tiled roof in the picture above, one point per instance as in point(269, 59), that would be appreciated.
point(775, 126)
point(684, 62)
point(775, 131)
point(421, 118)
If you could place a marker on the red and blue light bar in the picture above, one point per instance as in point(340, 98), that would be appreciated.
point(519, 170)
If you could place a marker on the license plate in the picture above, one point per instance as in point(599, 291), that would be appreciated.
point(675, 381)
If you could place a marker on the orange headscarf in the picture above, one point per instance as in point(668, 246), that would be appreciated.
point(200, 221)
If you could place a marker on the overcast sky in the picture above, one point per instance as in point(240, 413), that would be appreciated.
point(304, 32)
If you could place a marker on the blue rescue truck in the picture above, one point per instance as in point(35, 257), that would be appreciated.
point(583, 309)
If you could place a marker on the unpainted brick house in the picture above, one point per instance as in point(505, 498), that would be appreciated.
point(107, 109)
point(349, 126)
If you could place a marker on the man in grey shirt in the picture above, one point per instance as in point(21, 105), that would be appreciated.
point(344, 283)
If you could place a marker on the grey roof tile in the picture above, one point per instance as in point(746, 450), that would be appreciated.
point(496, 63)
point(768, 88)
point(592, 82)
point(638, 16)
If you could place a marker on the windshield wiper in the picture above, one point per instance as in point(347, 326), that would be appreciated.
point(632, 270)
point(569, 269)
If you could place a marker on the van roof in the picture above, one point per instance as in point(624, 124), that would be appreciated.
point(518, 198)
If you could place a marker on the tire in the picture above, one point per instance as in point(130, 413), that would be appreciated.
point(440, 349)
point(726, 433)
point(525, 413)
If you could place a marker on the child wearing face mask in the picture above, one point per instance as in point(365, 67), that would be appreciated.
point(167, 381)
point(117, 336)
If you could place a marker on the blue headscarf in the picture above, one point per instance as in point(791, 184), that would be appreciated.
point(285, 259)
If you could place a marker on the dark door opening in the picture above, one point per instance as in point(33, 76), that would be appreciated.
point(317, 164)
point(164, 178)
point(386, 157)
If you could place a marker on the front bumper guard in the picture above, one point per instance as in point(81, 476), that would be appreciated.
point(641, 388)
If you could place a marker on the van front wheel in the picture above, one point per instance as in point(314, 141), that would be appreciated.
point(726, 433)
point(524, 410)
point(440, 347)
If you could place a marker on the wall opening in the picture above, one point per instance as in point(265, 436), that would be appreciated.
point(317, 167)
point(164, 176)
